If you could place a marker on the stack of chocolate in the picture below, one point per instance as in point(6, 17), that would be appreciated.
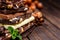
point(20, 14)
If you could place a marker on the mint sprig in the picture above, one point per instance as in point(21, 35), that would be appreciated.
point(14, 33)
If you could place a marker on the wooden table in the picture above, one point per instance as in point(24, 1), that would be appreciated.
point(50, 29)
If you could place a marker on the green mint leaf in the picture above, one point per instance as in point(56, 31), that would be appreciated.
point(10, 29)
point(20, 37)
point(14, 33)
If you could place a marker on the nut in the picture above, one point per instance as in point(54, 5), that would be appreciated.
point(39, 5)
point(37, 14)
point(10, 6)
point(32, 6)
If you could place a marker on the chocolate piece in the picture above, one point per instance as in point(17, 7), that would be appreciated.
point(11, 6)
point(19, 15)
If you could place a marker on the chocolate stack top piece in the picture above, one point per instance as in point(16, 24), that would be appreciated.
point(11, 6)
point(11, 9)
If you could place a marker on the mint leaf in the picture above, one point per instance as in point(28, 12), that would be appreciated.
point(10, 29)
point(20, 37)
point(14, 33)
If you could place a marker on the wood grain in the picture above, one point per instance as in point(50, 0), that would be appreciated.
point(25, 38)
point(52, 18)
point(50, 29)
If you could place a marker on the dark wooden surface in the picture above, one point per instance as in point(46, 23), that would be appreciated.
point(50, 29)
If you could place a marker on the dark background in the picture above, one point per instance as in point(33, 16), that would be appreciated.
point(55, 3)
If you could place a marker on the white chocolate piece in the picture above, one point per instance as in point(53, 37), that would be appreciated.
point(22, 23)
